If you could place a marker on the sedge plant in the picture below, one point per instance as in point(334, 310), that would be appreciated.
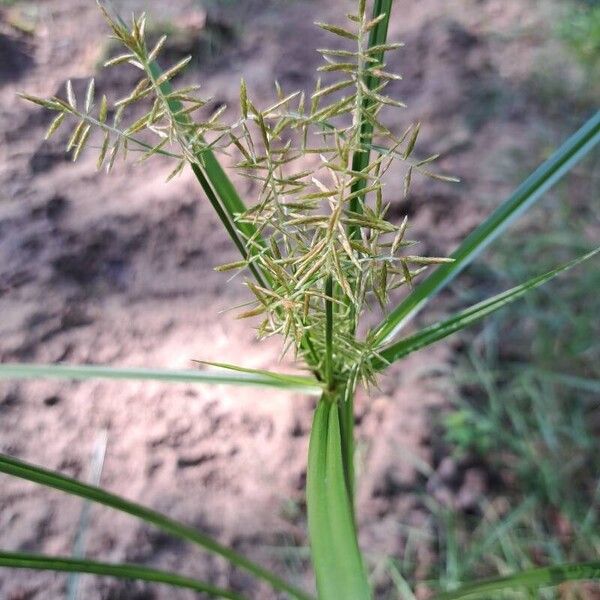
point(318, 252)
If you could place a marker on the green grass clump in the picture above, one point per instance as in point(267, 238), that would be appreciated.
point(528, 403)
point(580, 30)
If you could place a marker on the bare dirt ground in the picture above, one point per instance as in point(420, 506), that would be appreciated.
point(117, 270)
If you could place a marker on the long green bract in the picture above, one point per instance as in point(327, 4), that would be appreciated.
point(540, 181)
point(21, 560)
point(81, 372)
point(23, 470)
point(218, 188)
point(336, 557)
point(464, 318)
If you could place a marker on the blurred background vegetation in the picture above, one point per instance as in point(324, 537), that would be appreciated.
point(528, 380)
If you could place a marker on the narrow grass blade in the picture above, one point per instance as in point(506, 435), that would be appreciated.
point(532, 578)
point(401, 584)
point(466, 317)
point(539, 182)
point(290, 380)
point(336, 558)
point(80, 542)
point(78, 372)
point(584, 384)
point(226, 219)
point(23, 470)
point(20, 560)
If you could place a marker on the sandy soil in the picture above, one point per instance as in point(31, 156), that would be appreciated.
point(118, 270)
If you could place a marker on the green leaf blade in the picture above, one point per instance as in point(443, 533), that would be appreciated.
point(20, 560)
point(302, 381)
point(336, 557)
point(464, 318)
point(247, 377)
point(35, 474)
point(531, 190)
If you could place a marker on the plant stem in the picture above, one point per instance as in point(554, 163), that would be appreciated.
point(329, 333)
point(360, 159)
point(229, 226)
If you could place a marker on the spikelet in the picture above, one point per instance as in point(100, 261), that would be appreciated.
point(309, 214)
point(168, 117)
point(320, 236)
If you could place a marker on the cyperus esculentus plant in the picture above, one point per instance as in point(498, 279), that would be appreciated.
point(318, 250)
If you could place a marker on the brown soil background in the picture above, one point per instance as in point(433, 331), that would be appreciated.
point(118, 270)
